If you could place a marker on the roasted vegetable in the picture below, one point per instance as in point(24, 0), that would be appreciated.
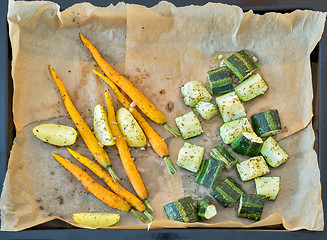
point(193, 92)
point(267, 186)
point(189, 125)
point(266, 123)
point(252, 168)
point(206, 209)
point(96, 220)
point(130, 129)
point(230, 130)
point(221, 153)
point(55, 134)
point(182, 210)
point(206, 110)
point(247, 144)
point(220, 80)
point(251, 206)
point(209, 172)
point(227, 192)
point(241, 64)
point(141, 101)
point(230, 107)
point(190, 157)
point(251, 88)
point(101, 127)
point(274, 154)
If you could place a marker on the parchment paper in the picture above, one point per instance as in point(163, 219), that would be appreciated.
point(158, 49)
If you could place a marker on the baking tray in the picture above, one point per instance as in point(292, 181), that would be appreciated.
point(66, 231)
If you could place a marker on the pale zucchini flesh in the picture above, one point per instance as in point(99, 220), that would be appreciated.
point(189, 125)
point(206, 110)
point(190, 157)
point(55, 134)
point(96, 220)
point(267, 186)
point(229, 131)
point(251, 88)
point(252, 168)
point(193, 92)
point(130, 128)
point(230, 107)
point(274, 154)
point(101, 127)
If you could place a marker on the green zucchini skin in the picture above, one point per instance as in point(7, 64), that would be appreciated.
point(251, 88)
point(205, 208)
point(241, 64)
point(209, 172)
point(266, 123)
point(182, 210)
point(220, 80)
point(251, 206)
point(227, 192)
point(223, 154)
point(244, 145)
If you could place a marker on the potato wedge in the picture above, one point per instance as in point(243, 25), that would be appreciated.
point(96, 220)
point(101, 127)
point(130, 129)
point(55, 134)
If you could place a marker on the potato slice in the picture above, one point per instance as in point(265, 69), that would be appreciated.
point(130, 129)
point(101, 127)
point(55, 134)
point(96, 220)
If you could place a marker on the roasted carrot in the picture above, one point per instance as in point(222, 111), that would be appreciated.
point(141, 101)
point(125, 156)
point(115, 186)
point(157, 143)
point(90, 140)
point(96, 189)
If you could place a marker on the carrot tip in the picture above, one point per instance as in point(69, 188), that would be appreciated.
point(147, 204)
point(139, 215)
point(112, 174)
point(170, 165)
point(171, 130)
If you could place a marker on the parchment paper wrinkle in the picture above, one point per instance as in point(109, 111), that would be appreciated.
point(158, 49)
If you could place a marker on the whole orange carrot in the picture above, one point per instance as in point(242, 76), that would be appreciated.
point(141, 101)
point(90, 140)
point(125, 156)
point(157, 143)
point(96, 189)
point(115, 186)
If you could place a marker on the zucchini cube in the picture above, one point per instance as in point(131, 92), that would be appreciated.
point(251, 206)
point(266, 123)
point(248, 144)
point(206, 110)
point(182, 210)
point(206, 209)
point(227, 192)
point(220, 80)
point(189, 125)
point(241, 64)
point(193, 92)
point(190, 157)
point(229, 131)
point(251, 88)
point(274, 154)
point(209, 172)
point(223, 154)
point(252, 168)
point(267, 186)
point(230, 107)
